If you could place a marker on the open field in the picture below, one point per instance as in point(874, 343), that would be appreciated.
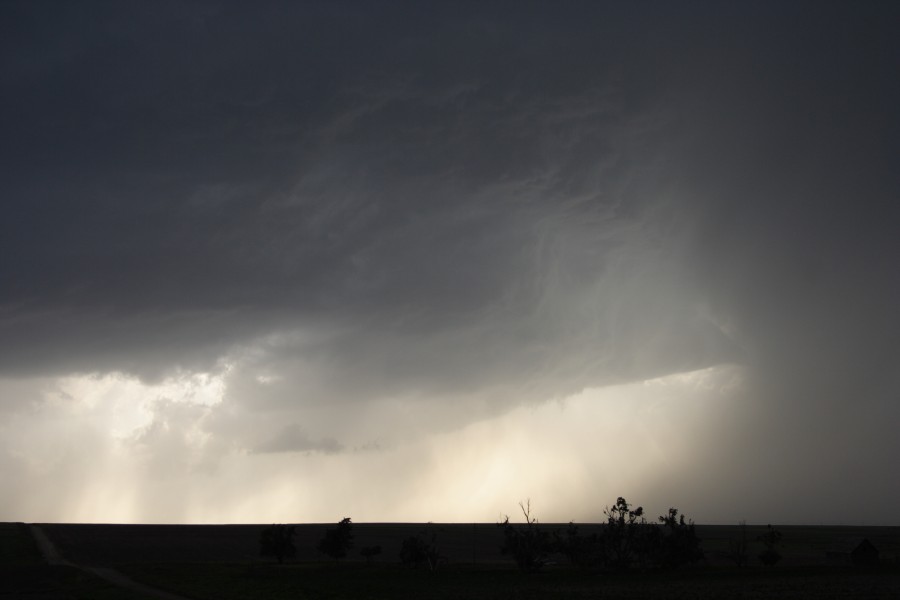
point(802, 545)
point(352, 581)
point(459, 543)
point(115, 544)
point(221, 562)
point(23, 573)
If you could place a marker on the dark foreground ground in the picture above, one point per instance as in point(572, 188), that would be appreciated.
point(459, 543)
point(349, 581)
point(24, 574)
point(222, 563)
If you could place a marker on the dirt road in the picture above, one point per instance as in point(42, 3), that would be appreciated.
point(54, 558)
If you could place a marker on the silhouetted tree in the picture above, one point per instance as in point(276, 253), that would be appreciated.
point(628, 540)
point(678, 543)
point(739, 548)
point(771, 539)
point(421, 548)
point(622, 536)
point(412, 551)
point(527, 543)
point(277, 541)
point(369, 552)
point(337, 541)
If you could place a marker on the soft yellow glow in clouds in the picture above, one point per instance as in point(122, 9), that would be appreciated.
point(116, 450)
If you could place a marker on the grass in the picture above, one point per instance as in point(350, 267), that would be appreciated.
point(801, 545)
point(209, 581)
point(24, 573)
point(460, 543)
point(221, 563)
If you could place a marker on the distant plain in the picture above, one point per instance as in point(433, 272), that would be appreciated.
point(223, 562)
point(459, 543)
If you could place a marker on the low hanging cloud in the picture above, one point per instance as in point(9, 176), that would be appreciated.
point(292, 438)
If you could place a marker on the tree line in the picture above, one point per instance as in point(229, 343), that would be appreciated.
point(627, 540)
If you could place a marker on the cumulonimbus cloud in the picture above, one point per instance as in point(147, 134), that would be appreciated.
point(441, 218)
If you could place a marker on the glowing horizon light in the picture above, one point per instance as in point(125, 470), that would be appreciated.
point(569, 456)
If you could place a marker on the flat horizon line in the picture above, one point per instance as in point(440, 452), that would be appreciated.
point(424, 523)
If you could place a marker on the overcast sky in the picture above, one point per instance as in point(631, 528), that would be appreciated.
point(300, 261)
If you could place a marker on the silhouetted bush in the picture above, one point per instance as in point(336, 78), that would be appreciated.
point(526, 543)
point(623, 537)
point(739, 548)
point(421, 548)
point(338, 541)
point(584, 551)
point(277, 541)
point(771, 539)
point(628, 540)
point(678, 543)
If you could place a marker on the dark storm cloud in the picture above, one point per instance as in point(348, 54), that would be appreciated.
point(185, 182)
point(794, 191)
point(405, 202)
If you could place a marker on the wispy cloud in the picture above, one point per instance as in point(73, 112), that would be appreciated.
point(292, 438)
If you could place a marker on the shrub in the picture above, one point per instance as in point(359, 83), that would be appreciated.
point(628, 540)
point(678, 544)
point(622, 538)
point(771, 539)
point(738, 548)
point(527, 543)
point(421, 548)
point(337, 541)
point(277, 541)
point(584, 551)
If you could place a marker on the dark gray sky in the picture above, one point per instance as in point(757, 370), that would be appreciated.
point(420, 261)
